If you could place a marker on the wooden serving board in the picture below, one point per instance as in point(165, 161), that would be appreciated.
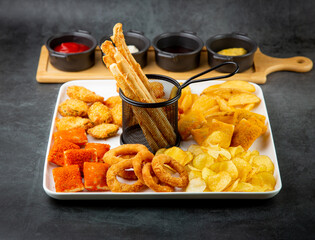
point(263, 65)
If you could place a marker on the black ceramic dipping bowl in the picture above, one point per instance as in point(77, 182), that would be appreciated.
point(72, 62)
point(177, 51)
point(137, 39)
point(231, 40)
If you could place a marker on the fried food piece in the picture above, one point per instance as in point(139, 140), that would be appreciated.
point(160, 171)
point(126, 151)
point(158, 89)
point(138, 162)
point(190, 121)
point(115, 185)
point(220, 133)
point(73, 107)
point(77, 136)
point(245, 134)
point(56, 155)
point(83, 94)
point(200, 134)
point(116, 113)
point(67, 123)
point(99, 113)
point(226, 117)
point(113, 101)
point(103, 131)
point(148, 179)
point(101, 149)
point(95, 176)
point(116, 154)
point(79, 156)
point(242, 113)
point(68, 179)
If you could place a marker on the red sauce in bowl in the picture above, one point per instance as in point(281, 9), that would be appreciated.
point(71, 47)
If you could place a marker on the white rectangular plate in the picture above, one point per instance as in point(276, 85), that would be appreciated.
point(107, 88)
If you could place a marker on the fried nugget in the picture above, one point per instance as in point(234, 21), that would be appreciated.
point(116, 112)
point(158, 89)
point(67, 123)
point(99, 113)
point(113, 101)
point(101, 149)
point(73, 108)
point(83, 94)
point(103, 131)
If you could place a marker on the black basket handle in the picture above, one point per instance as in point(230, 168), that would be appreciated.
point(189, 81)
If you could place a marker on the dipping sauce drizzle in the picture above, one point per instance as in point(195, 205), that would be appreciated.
point(71, 47)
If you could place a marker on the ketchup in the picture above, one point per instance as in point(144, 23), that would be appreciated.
point(71, 47)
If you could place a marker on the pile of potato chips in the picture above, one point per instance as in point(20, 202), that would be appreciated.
point(221, 115)
point(215, 169)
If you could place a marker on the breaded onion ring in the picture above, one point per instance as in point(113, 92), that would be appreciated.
point(119, 153)
point(116, 186)
point(144, 157)
point(159, 170)
point(151, 182)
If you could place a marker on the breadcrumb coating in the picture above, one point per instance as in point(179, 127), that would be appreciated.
point(67, 123)
point(74, 108)
point(68, 179)
point(81, 93)
point(103, 131)
point(99, 113)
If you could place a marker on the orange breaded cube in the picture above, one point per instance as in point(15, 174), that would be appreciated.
point(56, 154)
point(95, 176)
point(245, 134)
point(77, 136)
point(68, 179)
point(101, 148)
point(79, 156)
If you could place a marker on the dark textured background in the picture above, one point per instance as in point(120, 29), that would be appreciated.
point(281, 28)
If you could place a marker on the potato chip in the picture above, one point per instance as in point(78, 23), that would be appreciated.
point(219, 181)
point(200, 134)
point(206, 172)
point(203, 160)
point(160, 151)
point(189, 121)
point(216, 151)
point(225, 93)
point(226, 117)
point(220, 134)
point(226, 166)
point(244, 187)
point(243, 85)
point(265, 180)
point(245, 133)
point(196, 185)
point(203, 103)
point(249, 106)
point(223, 104)
point(242, 99)
point(243, 168)
point(210, 111)
point(235, 151)
point(179, 155)
point(263, 164)
point(194, 174)
point(232, 186)
point(242, 113)
point(195, 149)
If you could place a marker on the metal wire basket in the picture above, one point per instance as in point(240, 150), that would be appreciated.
point(136, 131)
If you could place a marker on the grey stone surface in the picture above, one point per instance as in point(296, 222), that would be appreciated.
point(281, 28)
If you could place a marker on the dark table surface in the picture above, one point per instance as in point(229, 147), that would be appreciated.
point(281, 28)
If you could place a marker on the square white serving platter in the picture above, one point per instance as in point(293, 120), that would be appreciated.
point(106, 88)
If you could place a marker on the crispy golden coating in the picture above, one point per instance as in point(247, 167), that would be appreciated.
point(99, 113)
point(158, 89)
point(67, 123)
point(116, 112)
point(104, 130)
point(113, 101)
point(81, 93)
point(73, 108)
